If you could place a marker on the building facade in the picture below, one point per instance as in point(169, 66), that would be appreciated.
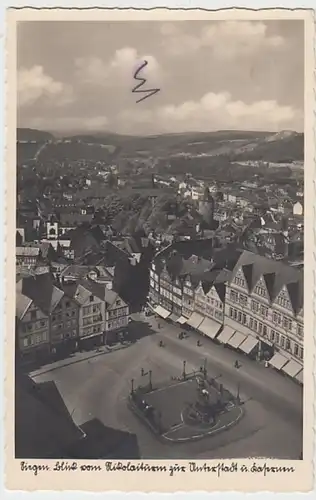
point(264, 300)
point(188, 297)
point(208, 303)
point(64, 324)
point(27, 256)
point(32, 330)
point(116, 315)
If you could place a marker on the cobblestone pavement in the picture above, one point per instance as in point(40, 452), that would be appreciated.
point(99, 385)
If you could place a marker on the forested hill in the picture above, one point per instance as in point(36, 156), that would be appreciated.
point(29, 134)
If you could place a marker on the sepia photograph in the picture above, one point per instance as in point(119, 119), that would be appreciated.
point(159, 239)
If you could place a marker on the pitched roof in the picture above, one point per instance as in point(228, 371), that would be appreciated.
point(275, 274)
point(22, 302)
point(42, 291)
point(43, 425)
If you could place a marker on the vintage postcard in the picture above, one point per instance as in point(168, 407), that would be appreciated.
point(159, 169)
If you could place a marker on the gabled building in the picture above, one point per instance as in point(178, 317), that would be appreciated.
point(32, 327)
point(51, 314)
point(102, 313)
point(264, 312)
point(210, 301)
point(27, 256)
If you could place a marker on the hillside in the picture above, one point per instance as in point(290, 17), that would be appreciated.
point(233, 145)
point(29, 134)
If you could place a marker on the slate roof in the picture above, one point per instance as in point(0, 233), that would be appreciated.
point(43, 425)
point(276, 275)
point(22, 302)
point(42, 291)
point(105, 442)
point(86, 287)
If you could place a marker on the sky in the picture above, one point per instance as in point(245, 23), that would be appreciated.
point(212, 75)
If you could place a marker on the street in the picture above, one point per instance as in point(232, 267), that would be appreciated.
point(98, 387)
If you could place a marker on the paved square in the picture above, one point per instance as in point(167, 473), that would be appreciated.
point(170, 401)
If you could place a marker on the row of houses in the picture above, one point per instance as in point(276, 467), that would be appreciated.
point(248, 302)
point(53, 318)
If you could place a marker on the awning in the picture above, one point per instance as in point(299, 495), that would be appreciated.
point(161, 311)
point(278, 361)
point(300, 377)
point(236, 340)
point(292, 368)
point(195, 320)
point(248, 344)
point(225, 335)
point(173, 317)
point(182, 320)
point(209, 327)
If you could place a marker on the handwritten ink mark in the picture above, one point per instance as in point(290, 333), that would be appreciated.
point(137, 89)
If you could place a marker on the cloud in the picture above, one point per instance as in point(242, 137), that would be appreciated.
point(214, 112)
point(225, 39)
point(116, 71)
point(34, 85)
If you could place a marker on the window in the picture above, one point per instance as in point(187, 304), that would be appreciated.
point(244, 318)
point(276, 318)
point(260, 327)
point(239, 281)
point(288, 344)
point(300, 330)
point(255, 324)
point(272, 335)
point(251, 323)
point(42, 323)
point(118, 302)
point(287, 323)
point(243, 300)
point(239, 316)
point(265, 331)
point(230, 312)
point(277, 337)
point(295, 349)
point(33, 315)
point(260, 290)
point(91, 298)
point(67, 303)
point(264, 311)
point(233, 296)
point(282, 341)
point(254, 306)
point(301, 352)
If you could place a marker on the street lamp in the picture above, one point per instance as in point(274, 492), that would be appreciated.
point(238, 390)
point(132, 384)
point(183, 373)
point(150, 383)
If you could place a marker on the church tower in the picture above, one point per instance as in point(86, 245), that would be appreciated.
point(206, 207)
